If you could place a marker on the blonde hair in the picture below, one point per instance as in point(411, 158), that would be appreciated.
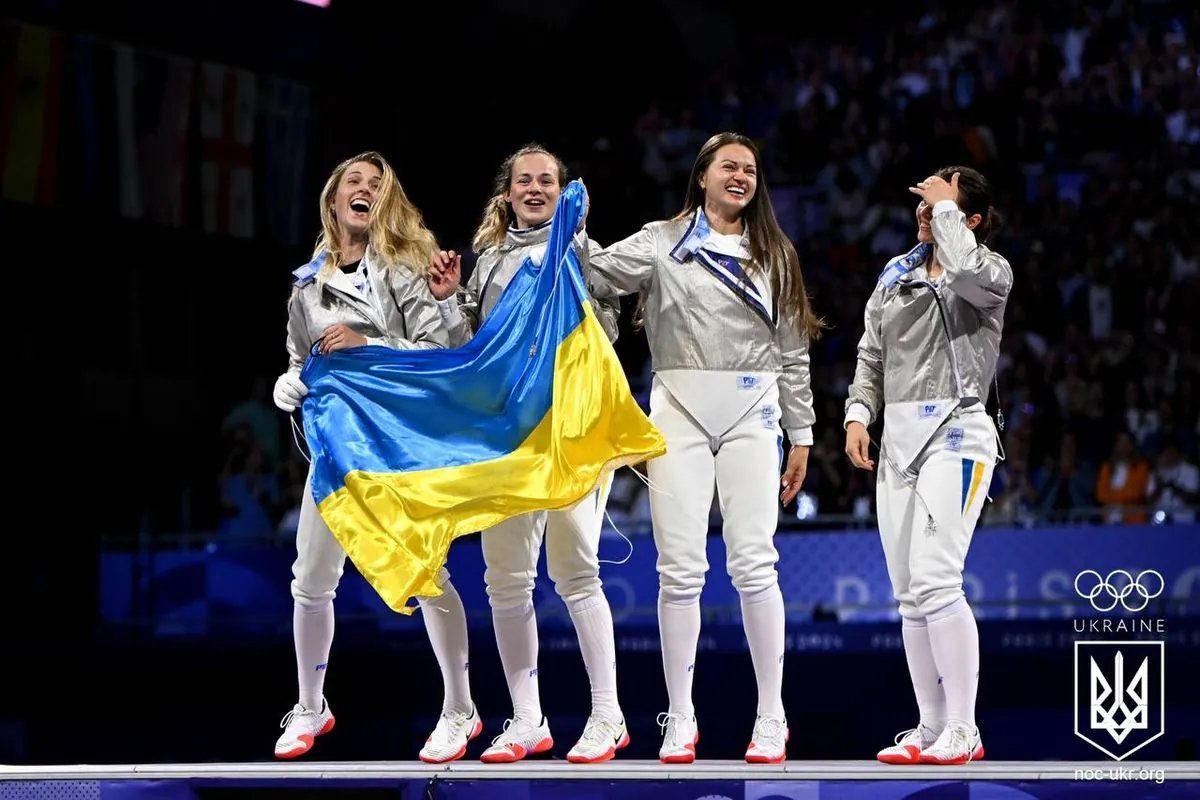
point(498, 215)
point(396, 233)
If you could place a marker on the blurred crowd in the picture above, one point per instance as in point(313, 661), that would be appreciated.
point(1085, 116)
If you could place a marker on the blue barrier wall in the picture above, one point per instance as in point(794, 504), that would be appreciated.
point(1012, 574)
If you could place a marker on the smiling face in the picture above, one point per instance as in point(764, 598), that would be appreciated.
point(730, 181)
point(355, 196)
point(533, 188)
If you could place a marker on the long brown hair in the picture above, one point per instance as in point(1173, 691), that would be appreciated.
point(498, 215)
point(397, 232)
point(770, 247)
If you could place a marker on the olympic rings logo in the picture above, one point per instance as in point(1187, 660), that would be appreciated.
point(1131, 593)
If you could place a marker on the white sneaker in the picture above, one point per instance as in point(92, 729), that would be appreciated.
point(449, 739)
point(518, 740)
point(680, 736)
point(958, 744)
point(601, 740)
point(908, 746)
point(768, 743)
point(300, 727)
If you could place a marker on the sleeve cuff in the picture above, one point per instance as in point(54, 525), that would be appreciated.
point(802, 437)
point(376, 342)
point(943, 206)
point(857, 412)
point(448, 308)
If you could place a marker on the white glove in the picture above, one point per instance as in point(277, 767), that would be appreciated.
point(289, 392)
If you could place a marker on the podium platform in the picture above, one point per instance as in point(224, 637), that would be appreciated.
point(616, 780)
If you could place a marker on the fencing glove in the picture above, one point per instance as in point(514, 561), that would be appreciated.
point(289, 392)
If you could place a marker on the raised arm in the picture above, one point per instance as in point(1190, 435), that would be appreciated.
point(608, 309)
point(624, 267)
point(973, 272)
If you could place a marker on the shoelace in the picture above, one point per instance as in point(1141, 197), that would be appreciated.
point(902, 735)
point(670, 724)
point(512, 733)
point(450, 726)
point(600, 731)
point(958, 740)
point(768, 729)
point(296, 712)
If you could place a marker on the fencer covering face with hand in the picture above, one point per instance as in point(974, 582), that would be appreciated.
point(365, 285)
point(516, 226)
point(729, 324)
point(926, 360)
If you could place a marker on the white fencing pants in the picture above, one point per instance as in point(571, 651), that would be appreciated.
point(510, 554)
point(742, 465)
point(926, 524)
point(316, 572)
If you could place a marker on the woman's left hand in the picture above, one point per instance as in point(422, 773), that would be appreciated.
point(934, 190)
point(339, 337)
point(793, 475)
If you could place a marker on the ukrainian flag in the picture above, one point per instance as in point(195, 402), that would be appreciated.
point(414, 448)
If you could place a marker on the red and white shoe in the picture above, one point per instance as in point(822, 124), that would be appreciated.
point(958, 744)
point(768, 743)
point(301, 726)
point(518, 740)
point(601, 740)
point(680, 736)
point(908, 746)
point(449, 739)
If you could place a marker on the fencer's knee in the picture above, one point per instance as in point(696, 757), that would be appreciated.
point(677, 595)
point(930, 600)
point(754, 580)
point(443, 577)
point(909, 611)
point(577, 587)
point(507, 590)
point(575, 579)
point(315, 580)
point(680, 583)
point(308, 592)
point(442, 580)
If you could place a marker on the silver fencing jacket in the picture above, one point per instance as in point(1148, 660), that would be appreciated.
point(930, 347)
point(393, 309)
point(703, 314)
point(497, 266)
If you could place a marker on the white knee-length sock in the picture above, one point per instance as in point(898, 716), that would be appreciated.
point(954, 638)
point(679, 629)
point(763, 620)
point(594, 627)
point(926, 682)
point(517, 641)
point(312, 629)
point(446, 624)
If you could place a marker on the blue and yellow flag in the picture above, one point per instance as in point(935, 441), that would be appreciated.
point(413, 448)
